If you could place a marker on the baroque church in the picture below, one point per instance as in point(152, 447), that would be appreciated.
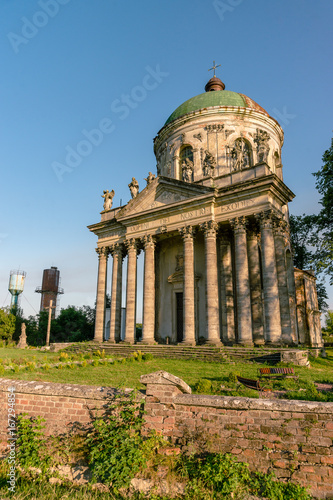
point(213, 226)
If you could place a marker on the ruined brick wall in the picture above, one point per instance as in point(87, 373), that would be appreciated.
point(293, 438)
point(60, 404)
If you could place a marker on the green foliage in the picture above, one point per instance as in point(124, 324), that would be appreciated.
point(328, 330)
point(324, 185)
point(312, 235)
point(203, 386)
point(115, 443)
point(7, 324)
point(232, 377)
point(213, 476)
point(138, 331)
point(147, 356)
point(74, 324)
point(31, 450)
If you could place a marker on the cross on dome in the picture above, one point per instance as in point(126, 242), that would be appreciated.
point(214, 67)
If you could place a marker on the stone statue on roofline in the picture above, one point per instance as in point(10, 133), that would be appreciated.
point(108, 197)
point(150, 178)
point(134, 187)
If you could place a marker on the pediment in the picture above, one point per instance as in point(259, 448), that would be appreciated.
point(161, 192)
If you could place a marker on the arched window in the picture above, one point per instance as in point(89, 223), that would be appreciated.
point(186, 152)
point(186, 163)
point(241, 154)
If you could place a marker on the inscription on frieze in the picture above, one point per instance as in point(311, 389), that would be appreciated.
point(192, 214)
point(139, 227)
point(235, 206)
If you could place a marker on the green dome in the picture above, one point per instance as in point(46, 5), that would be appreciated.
point(210, 99)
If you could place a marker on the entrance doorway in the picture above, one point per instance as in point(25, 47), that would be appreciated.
point(179, 316)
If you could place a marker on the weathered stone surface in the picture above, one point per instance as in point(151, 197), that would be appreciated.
point(165, 378)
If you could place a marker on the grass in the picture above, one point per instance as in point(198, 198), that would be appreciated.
point(127, 374)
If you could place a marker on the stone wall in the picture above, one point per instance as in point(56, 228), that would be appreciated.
point(292, 438)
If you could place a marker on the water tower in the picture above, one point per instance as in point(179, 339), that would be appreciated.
point(16, 286)
point(50, 289)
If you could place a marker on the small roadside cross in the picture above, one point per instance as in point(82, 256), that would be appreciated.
point(214, 67)
point(51, 306)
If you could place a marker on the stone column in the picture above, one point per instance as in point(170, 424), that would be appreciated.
point(148, 326)
point(270, 280)
point(130, 291)
point(243, 297)
point(212, 290)
point(227, 291)
point(255, 287)
point(188, 297)
point(281, 266)
point(116, 293)
point(103, 253)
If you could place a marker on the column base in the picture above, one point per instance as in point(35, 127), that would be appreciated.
point(245, 344)
point(214, 343)
point(186, 343)
point(147, 342)
point(126, 342)
point(98, 341)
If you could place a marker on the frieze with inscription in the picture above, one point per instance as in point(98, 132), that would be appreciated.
point(192, 214)
point(235, 206)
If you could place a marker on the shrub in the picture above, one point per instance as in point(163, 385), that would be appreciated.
point(114, 444)
point(203, 386)
point(232, 377)
point(31, 444)
point(147, 356)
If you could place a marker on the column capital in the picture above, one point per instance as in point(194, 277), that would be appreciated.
point(209, 228)
point(186, 232)
point(238, 223)
point(280, 226)
point(267, 218)
point(102, 252)
point(131, 245)
point(117, 249)
point(148, 241)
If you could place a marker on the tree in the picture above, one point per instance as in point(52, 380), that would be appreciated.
point(324, 243)
point(7, 324)
point(312, 235)
point(73, 324)
point(304, 252)
point(328, 330)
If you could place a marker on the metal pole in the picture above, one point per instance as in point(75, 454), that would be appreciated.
point(49, 324)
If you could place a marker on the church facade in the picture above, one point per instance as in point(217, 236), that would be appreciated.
point(213, 226)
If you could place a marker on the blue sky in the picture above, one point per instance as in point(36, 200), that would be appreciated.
point(67, 67)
